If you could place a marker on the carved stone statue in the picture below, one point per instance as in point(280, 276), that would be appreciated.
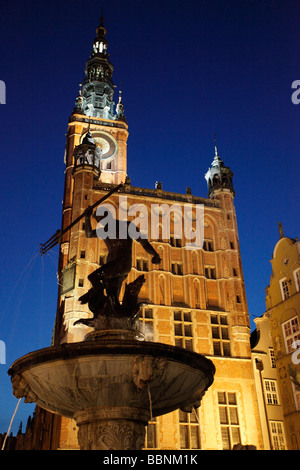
point(103, 297)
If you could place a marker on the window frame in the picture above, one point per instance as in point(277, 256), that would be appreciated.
point(271, 391)
point(189, 424)
point(293, 336)
point(182, 323)
point(274, 428)
point(228, 428)
point(221, 343)
point(272, 358)
point(296, 274)
point(284, 286)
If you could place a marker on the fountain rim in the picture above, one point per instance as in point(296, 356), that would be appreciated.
point(105, 347)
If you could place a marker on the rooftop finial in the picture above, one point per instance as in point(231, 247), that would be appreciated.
point(280, 229)
point(217, 161)
point(101, 18)
point(215, 141)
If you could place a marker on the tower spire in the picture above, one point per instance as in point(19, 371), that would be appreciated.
point(217, 161)
point(218, 175)
point(96, 97)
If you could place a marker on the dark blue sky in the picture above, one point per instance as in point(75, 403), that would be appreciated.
point(187, 70)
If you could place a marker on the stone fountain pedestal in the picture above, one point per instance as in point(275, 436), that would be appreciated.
point(112, 384)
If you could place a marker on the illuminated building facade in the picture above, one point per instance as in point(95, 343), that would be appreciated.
point(194, 299)
point(266, 379)
point(283, 312)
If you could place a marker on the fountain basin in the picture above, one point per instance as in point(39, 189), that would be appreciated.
point(119, 379)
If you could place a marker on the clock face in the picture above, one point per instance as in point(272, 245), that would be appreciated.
point(107, 144)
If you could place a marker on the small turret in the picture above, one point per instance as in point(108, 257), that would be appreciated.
point(218, 175)
point(120, 116)
point(79, 103)
point(88, 154)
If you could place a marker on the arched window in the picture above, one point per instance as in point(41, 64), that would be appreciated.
point(216, 180)
point(162, 290)
point(197, 293)
point(194, 262)
point(160, 251)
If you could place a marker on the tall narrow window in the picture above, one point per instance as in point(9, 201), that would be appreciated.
point(197, 293)
point(285, 292)
point(291, 332)
point(272, 358)
point(271, 392)
point(297, 279)
point(160, 251)
point(162, 291)
point(146, 321)
point(220, 335)
point(151, 431)
point(194, 262)
point(296, 396)
point(277, 435)
point(189, 430)
point(229, 419)
point(183, 329)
